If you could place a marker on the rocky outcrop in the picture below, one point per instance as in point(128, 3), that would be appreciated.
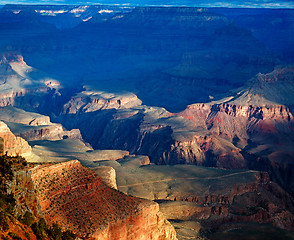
point(22, 188)
point(107, 174)
point(154, 132)
point(260, 206)
point(13, 145)
point(32, 126)
point(46, 132)
point(193, 193)
point(25, 87)
point(13, 114)
point(231, 120)
point(261, 135)
point(248, 202)
point(19, 205)
point(106, 214)
point(13, 97)
point(147, 224)
point(91, 100)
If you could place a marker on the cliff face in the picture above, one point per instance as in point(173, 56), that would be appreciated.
point(45, 132)
point(229, 119)
point(91, 100)
point(22, 187)
point(268, 203)
point(209, 196)
point(63, 190)
point(33, 126)
point(215, 136)
point(164, 137)
point(147, 224)
point(107, 175)
point(19, 204)
point(13, 145)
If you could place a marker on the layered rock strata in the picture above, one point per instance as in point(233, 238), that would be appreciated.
point(32, 126)
point(107, 175)
point(13, 145)
point(23, 190)
point(209, 195)
point(77, 199)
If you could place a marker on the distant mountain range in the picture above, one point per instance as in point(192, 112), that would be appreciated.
point(192, 3)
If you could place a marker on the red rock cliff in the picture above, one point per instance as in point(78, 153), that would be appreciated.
point(22, 187)
point(78, 200)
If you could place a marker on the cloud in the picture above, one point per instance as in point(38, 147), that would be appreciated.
point(199, 3)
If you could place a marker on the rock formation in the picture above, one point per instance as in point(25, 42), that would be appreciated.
point(107, 175)
point(150, 55)
point(17, 229)
point(33, 126)
point(210, 196)
point(225, 133)
point(91, 101)
point(258, 120)
point(76, 198)
point(13, 145)
point(23, 190)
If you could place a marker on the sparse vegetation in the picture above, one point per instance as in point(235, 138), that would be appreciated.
point(7, 203)
point(39, 229)
point(42, 231)
point(3, 221)
point(14, 236)
point(7, 166)
point(28, 236)
point(1, 146)
point(55, 231)
point(27, 219)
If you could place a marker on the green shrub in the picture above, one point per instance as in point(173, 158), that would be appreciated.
point(55, 231)
point(27, 219)
point(3, 222)
point(28, 236)
point(42, 231)
point(10, 208)
point(68, 235)
point(42, 224)
point(14, 236)
point(38, 232)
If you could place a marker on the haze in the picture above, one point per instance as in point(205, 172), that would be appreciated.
point(191, 3)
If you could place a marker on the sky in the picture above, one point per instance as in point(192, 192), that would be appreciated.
point(194, 3)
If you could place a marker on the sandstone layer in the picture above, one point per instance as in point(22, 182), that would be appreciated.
point(32, 126)
point(150, 53)
point(23, 190)
point(78, 200)
point(13, 145)
point(209, 196)
point(251, 128)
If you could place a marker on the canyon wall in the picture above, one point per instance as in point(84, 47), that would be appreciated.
point(13, 145)
point(23, 190)
point(76, 198)
point(246, 130)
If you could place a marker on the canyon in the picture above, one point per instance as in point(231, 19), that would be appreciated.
point(63, 188)
point(57, 193)
point(201, 128)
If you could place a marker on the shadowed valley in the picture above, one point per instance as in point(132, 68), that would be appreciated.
point(150, 122)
